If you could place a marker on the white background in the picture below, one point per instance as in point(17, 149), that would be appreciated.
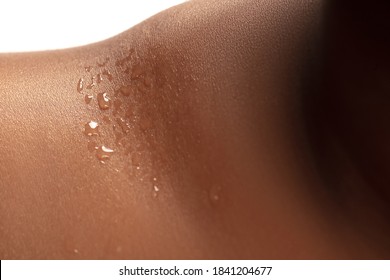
point(29, 25)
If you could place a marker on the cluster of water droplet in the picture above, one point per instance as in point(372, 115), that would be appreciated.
point(88, 87)
point(113, 96)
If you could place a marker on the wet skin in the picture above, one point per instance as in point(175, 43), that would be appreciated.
point(232, 136)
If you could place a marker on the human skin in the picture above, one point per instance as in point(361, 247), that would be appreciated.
point(222, 145)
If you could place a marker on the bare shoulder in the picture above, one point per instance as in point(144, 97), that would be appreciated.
point(168, 141)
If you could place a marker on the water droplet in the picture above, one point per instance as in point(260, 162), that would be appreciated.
point(92, 146)
point(214, 193)
point(104, 101)
point(125, 90)
point(99, 78)
point(156, 189)
point(123, 125)
point(136, 72)
point(88, 98)
point(104, 153)
point(80, 85)
point(155, 179)
point(92, 84)
point(91, 128)
point(76, 251)
point(107, 73)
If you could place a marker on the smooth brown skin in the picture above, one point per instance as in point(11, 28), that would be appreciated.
point(253, 138)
